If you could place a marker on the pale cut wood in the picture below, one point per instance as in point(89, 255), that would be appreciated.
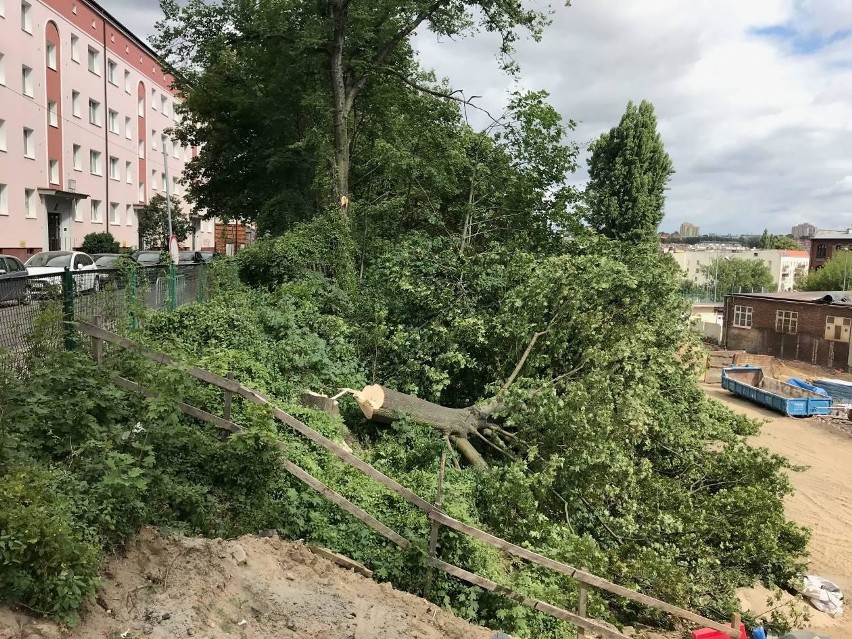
point(591, 625)
point(341, 560)
point(324, 403)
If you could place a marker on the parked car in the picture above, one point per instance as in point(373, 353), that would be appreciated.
point(14, 285)
point(208, 256)
point(110, 261)
point(191, 257)
point(148, 258)
point(55, 263)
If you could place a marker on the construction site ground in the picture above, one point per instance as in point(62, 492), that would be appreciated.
point(823, 491)
point(248, 588)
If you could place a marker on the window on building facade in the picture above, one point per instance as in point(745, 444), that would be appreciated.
point(153, 139)
point(75, 48)
point(29, 202)
point(127, 81)
point(837, 329)
point(26, 17)
point(2, 8)
point(52, 114)
point(786, 322)
point(128, 215)
point(164, 105)
point(140, 193)
point(113, 121)
point(53, 171)
point(112, 72)
point(128, 172)
point(154, 181)
point(75, 104)
point(29, 144)
point(4, 199)
point(27, 81)
point(128, 128)
point(94, 61)
point(820, 250)
point(141, 152)
point(164, 182)
point(154, 99)
point(95, 162)
point(51, 56)
point(77, 157)
point(113, 213)
point(94, 112)
point(113, 169)
point(140, 107)
point(77, 210)
point(3, 135)
point(742, 316)
point(2, 70)
point(175, 149)
point(95, 211)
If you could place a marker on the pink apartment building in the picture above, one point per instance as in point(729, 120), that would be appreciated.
point(84, 107)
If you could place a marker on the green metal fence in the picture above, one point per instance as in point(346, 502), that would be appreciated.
point(37, 312)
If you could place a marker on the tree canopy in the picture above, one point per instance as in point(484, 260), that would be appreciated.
point(629, 170)
point(154, 222)
point(734, 275)
point(769, 241)
point(835, 275)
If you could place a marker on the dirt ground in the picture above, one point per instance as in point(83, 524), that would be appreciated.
point(249, 588)
point(822, 501)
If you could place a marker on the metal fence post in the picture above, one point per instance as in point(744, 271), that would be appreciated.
point(202, 274)
point(172, 301)
point(132, 298)
point(68, 309)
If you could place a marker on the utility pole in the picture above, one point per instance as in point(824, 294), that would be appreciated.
point(166, 187)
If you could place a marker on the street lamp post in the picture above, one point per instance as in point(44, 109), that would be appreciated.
point(166, 186)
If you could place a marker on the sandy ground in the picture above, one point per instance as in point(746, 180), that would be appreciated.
point(823, 497)
point(249, 588)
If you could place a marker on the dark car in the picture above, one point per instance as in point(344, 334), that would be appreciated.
point(208, 256)
point(149, 258)
point(111, 261)
point(14, 285)
point(191, 257)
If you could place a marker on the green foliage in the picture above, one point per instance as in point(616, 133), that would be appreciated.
point(154, 222)
point(99, 243)
point(782, 242)
point(834, 275)
point(734, 275)
point(628, 173)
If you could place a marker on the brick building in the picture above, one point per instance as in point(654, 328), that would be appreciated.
point(824, 244)
point(232, 237)
point(811, 327)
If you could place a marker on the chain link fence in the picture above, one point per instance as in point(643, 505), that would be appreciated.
point(37, 312)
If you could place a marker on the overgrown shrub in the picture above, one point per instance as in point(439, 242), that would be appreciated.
point(100, 243)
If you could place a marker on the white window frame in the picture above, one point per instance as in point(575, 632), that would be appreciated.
point(141, 151)
point(787, 322)
point(77, 157)
point(112, 70)
point(127, 82)
point(128, 213)
point(26, 17)
point(4, 199)
point(76, 211)
point(53, 171)
point(743, 316)
point(52, 114)
point(128, 171)
point(94, 112)
point(112, 117)
point(3, 147)
point(29, 143)
point(114, 215)
point(94, 60)
point(95, 214)
point(50, 54)
point(164, 105)
point(95, 167)
point(26, 80)
point(153, 98)
point(75, 104)
point(114, 170)
point(29, 203)
point(75, 48)
point(128, 128)
point(2, 69)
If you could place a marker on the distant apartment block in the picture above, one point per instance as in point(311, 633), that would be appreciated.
point(784, 265)
point(689, 230)
point(84, 110)
point(803, 231)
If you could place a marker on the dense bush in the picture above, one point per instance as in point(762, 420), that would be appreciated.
point(100, 243)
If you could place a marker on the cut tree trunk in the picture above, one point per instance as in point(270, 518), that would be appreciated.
point(386, 405)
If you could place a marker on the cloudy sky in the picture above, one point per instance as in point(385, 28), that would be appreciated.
point(754, 97)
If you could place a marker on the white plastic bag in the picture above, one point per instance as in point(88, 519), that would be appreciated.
point(824, 595)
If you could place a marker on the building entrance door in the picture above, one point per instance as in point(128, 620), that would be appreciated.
point(54, 239)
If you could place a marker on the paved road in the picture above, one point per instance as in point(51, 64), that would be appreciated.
point(823, 497)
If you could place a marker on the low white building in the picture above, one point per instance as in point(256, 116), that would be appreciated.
point(784, 265)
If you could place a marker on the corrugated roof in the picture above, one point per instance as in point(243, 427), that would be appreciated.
point(840, 298)
point(832, 235)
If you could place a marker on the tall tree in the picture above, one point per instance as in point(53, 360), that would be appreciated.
point(835, 275)
point(628, 173)
point(336, 50)
point(154, 222)
point(733, 275)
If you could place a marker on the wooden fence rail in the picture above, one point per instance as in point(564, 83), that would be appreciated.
point(231, 387)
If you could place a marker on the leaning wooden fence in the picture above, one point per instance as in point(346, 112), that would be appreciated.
point(231, 387)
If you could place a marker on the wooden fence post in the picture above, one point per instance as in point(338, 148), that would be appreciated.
point(582, 604)
point(436, 526)
point(97, 342)
point(735, 621)
point(226, 413)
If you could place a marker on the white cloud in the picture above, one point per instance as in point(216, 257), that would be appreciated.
point(754, 97)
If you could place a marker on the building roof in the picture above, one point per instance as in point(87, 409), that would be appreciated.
point(833, 235)
point(795, 254)
point(839, 298)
